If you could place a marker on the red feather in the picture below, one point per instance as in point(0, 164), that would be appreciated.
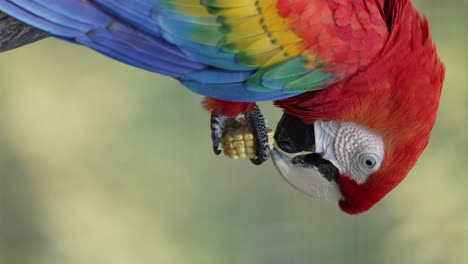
point(396, 96)
point(340, 35)
point(227, 108)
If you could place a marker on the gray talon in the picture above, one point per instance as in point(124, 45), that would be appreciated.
point(256, 120)
point(217, 125)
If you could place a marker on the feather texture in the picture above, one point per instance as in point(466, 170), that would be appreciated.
point(244, 50)
point(371, 63)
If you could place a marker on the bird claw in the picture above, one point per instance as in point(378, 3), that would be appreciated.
point(217, 123)
point(256, 121)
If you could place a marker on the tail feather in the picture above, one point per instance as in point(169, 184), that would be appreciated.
point(16, 34)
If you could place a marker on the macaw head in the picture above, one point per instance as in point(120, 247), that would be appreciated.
point(355, 141)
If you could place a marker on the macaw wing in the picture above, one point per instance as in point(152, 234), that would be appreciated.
point(241, 35)
point(81, 22)
point(240, 50)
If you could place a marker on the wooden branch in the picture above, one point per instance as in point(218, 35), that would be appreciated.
point(14, 34)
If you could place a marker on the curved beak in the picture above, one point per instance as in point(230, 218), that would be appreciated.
point(309, 173)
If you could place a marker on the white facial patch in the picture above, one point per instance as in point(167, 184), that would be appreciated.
point(355, 151)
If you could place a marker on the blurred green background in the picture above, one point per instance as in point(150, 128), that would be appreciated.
point(104, 163)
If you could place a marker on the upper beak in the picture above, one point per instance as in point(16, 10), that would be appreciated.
point(308, 173)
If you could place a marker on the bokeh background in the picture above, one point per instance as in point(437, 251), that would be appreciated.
point(104, 163)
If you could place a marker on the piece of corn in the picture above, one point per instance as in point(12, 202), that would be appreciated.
point(238, 140)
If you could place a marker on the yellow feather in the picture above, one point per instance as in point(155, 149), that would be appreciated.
point(248, 24)
point(283, 38)
point(286, 53)
point(240, 44)
point(268, 8)
point(258, 59)
point(261, 45)
point(229, 3)
point(235, 13)
point(251, 28)
point(277, 58)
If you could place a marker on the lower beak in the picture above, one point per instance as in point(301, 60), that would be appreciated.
point(307, 179)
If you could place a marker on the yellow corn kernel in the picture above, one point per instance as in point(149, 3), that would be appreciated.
point(240, 150)
point(248, 136)
point(250, 150)
point(227, 144)
point(231, 151)
point(238, 143)
point(238, 140)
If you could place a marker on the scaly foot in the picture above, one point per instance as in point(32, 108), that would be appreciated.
point(256, 121)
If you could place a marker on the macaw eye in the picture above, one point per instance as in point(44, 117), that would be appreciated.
point(368, 162)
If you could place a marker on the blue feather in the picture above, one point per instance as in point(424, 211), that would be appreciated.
point(212, 56)
point(216, 76)
point(81, 17)
point(147, 35)
point(135, 12)
point(54, 29)
point(235, 92)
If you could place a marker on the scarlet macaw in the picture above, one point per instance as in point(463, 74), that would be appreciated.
point(359, 81)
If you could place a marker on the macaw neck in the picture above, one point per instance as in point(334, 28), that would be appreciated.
point(322, 105)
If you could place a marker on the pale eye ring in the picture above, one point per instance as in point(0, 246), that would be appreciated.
point(368, 161)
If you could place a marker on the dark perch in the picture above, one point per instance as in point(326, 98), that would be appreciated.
point(14, 34)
